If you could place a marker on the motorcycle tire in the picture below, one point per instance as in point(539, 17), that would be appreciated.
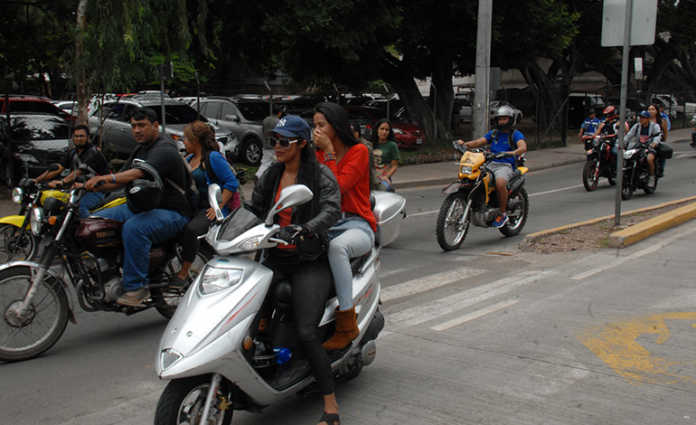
point(612, 181)
point(650, 190)
point(450, 214)
point(590, 175)
point(626, 191)
point(171, 407)
point(515, 225)
point(52, 290)
point(16, 244)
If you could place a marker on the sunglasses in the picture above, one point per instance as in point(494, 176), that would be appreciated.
point(284, 142)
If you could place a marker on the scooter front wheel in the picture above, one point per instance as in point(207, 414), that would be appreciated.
point(26, 334)
point(183, 400)
point(453, 222)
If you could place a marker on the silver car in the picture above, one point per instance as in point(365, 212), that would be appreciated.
point(115, 132)
point(223, 112)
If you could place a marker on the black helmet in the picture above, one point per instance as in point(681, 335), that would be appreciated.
point(146, 193)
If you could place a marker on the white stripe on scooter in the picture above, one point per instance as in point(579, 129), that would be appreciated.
point(560, 189)
point(427, 283)
point(475, 315)
point(453, 303)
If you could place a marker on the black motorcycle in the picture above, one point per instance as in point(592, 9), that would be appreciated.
point(636, 171)
point(601, 162)
point(79, 259)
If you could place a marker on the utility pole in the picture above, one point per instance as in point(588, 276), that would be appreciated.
point(483, 67)
point(622, 111)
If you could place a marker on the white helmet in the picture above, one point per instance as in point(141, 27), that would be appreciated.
point(505, 111)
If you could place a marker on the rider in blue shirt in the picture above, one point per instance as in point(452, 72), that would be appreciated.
point(589, 126)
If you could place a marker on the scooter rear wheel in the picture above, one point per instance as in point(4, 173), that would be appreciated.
point(182, 403)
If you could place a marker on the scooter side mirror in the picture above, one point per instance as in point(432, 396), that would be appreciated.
point(214, 199)
point(291, 196)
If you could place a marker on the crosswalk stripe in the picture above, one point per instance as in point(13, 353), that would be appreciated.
point(475, 315)
point(427, 283)
point(450, 304)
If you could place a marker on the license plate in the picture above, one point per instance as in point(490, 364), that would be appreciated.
point(419, 141)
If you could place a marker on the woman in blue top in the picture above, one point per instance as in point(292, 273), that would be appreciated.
point(203, 150)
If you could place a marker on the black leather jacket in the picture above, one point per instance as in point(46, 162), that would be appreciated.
point(317, 215)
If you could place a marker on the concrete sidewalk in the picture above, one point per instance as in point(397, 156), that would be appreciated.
point(445, 172)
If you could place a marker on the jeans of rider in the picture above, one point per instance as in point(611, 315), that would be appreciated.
point(89, 201)
point(190, 244)
point(310, 290)
point(139, 232)
point(350, 238)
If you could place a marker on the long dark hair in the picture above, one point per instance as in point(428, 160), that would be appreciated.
point(204, 134)
point(337, 116)
point(375, 132)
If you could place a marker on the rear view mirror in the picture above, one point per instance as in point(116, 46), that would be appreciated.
point(291, 196)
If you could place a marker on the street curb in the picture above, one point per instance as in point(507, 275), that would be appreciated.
point(537, 235)
point(647, 228)
point(444, 180)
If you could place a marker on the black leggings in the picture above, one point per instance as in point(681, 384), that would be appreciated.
point(189, 241)
point(311, 284)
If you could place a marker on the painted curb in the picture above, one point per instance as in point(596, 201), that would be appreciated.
point(534, 236)
point(445, 180)
point(647, 228)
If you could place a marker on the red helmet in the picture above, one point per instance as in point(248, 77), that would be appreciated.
point(610, 112)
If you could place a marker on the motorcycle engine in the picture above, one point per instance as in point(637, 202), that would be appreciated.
point(112, 289)
point(485, 217)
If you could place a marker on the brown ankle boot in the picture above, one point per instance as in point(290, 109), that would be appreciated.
point(346, 330)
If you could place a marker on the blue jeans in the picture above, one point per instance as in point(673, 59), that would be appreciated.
point(139, 232)
point(350, 238)
point(89, 201)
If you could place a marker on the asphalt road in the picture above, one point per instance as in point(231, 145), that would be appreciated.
point(485, 334)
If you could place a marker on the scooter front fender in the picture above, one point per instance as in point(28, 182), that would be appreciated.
point(13, 220)
point(54, 274)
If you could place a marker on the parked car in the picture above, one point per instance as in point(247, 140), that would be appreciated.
point(248, 134)
point(116, 136)
point(69, 106)
point(22, 104)
point(670, 103)
point(30, 143)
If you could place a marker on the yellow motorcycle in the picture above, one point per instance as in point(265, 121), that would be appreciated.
point(16, 239)
point(472, 199)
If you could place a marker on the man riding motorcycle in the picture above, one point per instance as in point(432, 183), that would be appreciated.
point(507, 140)
point(146, 221)
point(646, 131)
point(83, 154)
point(609, 127)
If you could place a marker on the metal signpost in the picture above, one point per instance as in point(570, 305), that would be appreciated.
point(483, 65)
point(637, 20)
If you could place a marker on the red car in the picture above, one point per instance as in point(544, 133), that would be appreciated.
point(408, 136)
point(21, 104)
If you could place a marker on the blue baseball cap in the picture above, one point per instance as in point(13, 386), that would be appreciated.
point(645, 114)
point(293, 126)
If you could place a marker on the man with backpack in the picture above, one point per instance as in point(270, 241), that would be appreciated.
point(159, 201)
point(504, 139)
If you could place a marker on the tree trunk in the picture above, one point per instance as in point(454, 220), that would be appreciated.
point(80, 75)
point(444, 100)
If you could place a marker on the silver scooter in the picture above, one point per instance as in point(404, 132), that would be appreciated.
point(231, 344)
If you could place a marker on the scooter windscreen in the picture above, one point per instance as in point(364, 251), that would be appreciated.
point(238, 222)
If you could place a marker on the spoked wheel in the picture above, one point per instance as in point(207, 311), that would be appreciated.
point(517, 217)
point(168, 298)
point(182, 403)
point(252, 151)
point(26, 334)
point(452, 224)
point(590, 175)
point(15, 243)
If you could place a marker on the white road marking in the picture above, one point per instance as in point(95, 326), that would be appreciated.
point(633, 256)
point(395, 271)
point(474, 315)
point(427, 283)
point(561, 189)
point(453, 303)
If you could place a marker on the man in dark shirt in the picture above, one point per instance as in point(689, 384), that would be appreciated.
point(84, 154)
point(141, 230)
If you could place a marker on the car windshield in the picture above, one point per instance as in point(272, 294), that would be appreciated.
point(38, 128)
point(177, 114)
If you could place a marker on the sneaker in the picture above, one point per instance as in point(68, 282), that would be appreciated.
point(652, 181)
point(134, 298)
point(177, 282)
point(500, 221)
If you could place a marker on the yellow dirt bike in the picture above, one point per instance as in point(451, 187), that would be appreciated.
point(472, 199)
point(16, 239)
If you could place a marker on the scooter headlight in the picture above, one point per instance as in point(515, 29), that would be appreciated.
point(17, 195)
point(168, 357)
point(37, 216)
point(629, 153)
point(216, 278)
point(466, 170)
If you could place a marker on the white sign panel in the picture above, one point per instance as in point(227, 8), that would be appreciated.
point(638, 68)
point(643, 18)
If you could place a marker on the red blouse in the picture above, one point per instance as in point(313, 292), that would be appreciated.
point(353, 175)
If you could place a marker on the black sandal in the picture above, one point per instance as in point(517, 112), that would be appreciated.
point(330, 419)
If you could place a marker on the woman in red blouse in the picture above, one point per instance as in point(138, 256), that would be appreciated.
point(353, 235)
